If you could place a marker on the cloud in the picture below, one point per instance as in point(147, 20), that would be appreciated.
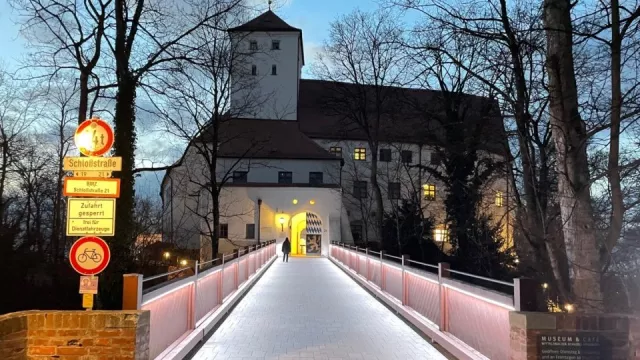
point(311, 51)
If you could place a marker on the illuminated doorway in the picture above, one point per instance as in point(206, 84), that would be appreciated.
point(306, 234)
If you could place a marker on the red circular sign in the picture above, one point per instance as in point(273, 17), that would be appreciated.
point(94, 137)
point(89, 255)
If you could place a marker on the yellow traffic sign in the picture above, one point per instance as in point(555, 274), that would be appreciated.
point(92, 187)
point(87, 301)
point(92, 163)
point(91, 217)
point(92, 174)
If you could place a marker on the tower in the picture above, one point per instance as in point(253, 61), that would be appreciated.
point(266, 68)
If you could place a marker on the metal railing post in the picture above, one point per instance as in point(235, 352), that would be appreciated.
point(236, 268)
point(382, 273)
point(194, 303)
point(357, 261)
point(221, 283)
point(366, 254)
point(443, 273)
point(405, 282)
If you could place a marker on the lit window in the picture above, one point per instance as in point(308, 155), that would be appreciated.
point(336, 150)
point(275, 44)
point(499, 199)
point(360, 154)
point(274, 70)
point(254, 70)
point(441, 234)
point(429, 192)
point(253, 45)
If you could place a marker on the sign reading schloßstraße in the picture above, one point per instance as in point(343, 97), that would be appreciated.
point(92, 164)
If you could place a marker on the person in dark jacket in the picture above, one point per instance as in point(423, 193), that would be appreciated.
point(286, 249)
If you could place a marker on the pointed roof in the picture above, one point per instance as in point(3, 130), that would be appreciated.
point(268, 21)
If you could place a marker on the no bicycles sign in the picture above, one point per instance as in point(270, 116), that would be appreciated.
point(89, 255)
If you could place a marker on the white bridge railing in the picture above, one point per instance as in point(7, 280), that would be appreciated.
point(180, 309)
point(470, 321)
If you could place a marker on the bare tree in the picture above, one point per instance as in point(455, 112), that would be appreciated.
point(364, 49)
point(196, 108)
point(68, 37)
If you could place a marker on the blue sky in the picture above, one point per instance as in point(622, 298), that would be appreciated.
point(313, 17)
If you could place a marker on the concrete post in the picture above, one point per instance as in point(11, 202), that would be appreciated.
point(132, 292)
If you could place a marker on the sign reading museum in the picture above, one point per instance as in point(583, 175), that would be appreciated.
point(572, 346)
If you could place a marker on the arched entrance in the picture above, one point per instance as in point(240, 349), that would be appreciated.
point(306, 234)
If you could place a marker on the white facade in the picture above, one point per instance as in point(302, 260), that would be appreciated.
point(261, 206)
point(279, 52)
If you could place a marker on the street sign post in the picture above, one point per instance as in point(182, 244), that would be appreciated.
point(91, 217)
point(89, 255)
point(94, 137)
point(92, 187)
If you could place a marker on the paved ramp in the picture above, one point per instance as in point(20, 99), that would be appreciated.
point(309, 309)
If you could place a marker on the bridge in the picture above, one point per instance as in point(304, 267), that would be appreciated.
point(355, 304)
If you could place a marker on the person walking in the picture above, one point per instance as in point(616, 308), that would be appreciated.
point(286, 249)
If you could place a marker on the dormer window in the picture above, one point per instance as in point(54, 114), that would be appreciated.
point(275, 44)
point(254, 70)
point(253, 45)
point(274, 70)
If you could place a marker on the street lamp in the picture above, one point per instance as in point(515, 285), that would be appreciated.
point(167, 254)
point(281, 223)
point(183, 262)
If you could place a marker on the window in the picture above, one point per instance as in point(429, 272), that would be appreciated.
point(253, 45)
point(336, 150)
point(435, 159)
point(394, 191)
point(254, 70)
point(250, 231)
point(360, 189)
point(315, 178)
point(406, 156)
point(356, 231)
point(224, 231)
point(275, 44)
point(360, 154)
point(274, 70)
point(441, 234)
point(285, 177)
point(499, 199)
point(240, 177)
point(429, 191)
point(385, 155)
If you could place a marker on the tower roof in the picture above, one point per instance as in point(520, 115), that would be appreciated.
point(267, 21)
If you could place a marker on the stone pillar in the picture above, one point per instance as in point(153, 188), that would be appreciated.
point(71, 334)
point(606, 336)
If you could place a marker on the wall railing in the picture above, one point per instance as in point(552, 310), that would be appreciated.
point(181, 306)
point(473, 319)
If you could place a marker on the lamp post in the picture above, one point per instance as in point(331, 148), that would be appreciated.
point(281, 223)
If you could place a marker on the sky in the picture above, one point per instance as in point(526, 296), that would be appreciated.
point(313, 17)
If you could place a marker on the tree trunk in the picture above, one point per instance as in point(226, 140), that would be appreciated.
point(376, 193)
point(570, 137)
point(613, 168)
point(84, 97)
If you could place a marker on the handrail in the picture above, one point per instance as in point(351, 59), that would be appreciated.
point(421, 263)
point(165, 274)
point(482, 278)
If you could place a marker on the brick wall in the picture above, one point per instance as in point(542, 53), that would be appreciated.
point(526, 327)
point(75, 335)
